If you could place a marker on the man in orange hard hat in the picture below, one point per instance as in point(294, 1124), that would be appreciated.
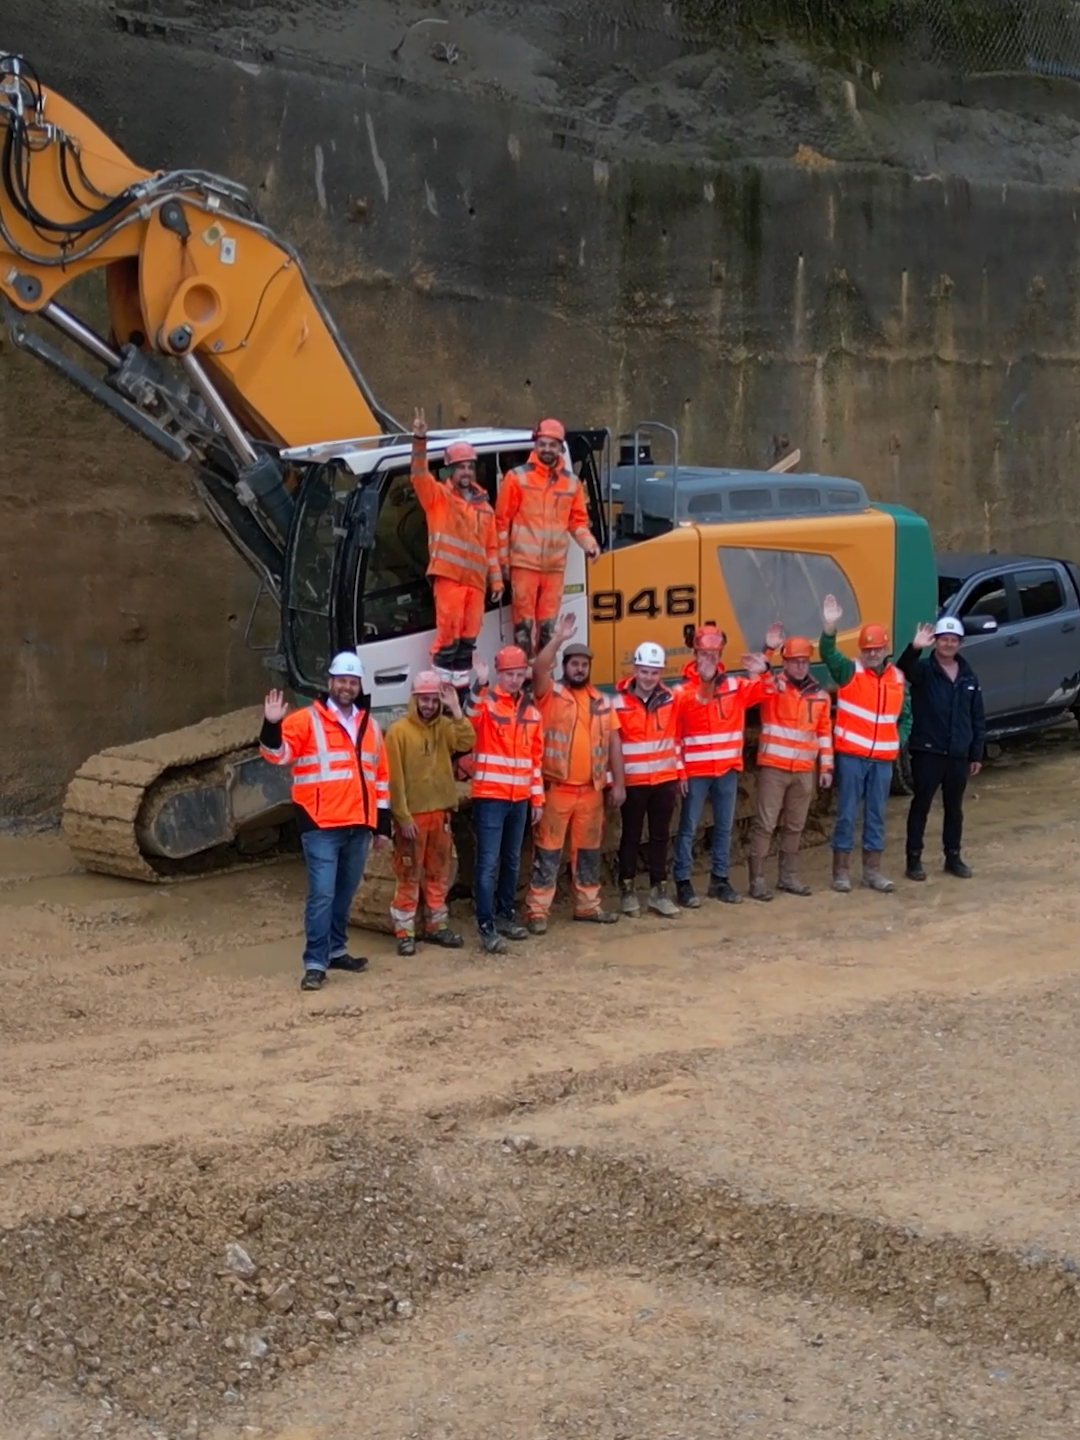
point(423, 794)
point(539, 507)
point(795, 744)
point(873, 721)
point(463, 551)
point(507, 790)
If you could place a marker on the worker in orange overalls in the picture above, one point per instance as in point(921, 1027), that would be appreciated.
point(582, 761)
point(794, 748)
point(507, 790)
point(463, 552)
point(341, 790)
point(539, 507)
point(423, 793)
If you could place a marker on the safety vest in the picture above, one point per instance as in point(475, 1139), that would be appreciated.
point(509, 747)
point(536, 512)
point(559, 712)
point(711, 725)
point(462, 541)
point(334, 781)
point(649, 747)
point(867, 711)
point(796, 726)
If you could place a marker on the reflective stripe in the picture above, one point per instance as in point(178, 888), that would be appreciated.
point(325, 764)
point(726, 752)
point(514, 762)
point(646, 767)
point(646, 747)
point(281, 756)
point(715, 739)
point(849, 709)
point(873, 749)
point(824, 743)
point(783, 752)
point(787, 732)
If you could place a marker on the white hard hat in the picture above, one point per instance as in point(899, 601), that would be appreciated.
point(649, 653)
point(347, 663)
point(949, 625)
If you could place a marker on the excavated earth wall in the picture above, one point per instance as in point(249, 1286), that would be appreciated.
point(549, 224)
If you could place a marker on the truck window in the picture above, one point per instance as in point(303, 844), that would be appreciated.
point(768, 585)
point(988, 599)
point(947, 587)
point(1039, 591)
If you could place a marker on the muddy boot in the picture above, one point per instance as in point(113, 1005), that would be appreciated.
point(508, 926)
point(660, 902)
point(598, 917)
point(547, 629)
point(759, 888)
point(492, 943)
point(914, 869)
point(444, 936)
point(523, 636)
point(406, 945)
point(721, 888)
point(789, 880)
point(536, 925)
point(684, 894)
point(872, 877)
point(954, 865)
point(841, 871)
point(628, 901)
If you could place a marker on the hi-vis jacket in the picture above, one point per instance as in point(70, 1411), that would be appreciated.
point(462, 541)
point(334, 781)
point(796, 725)
point(649, 746)
point(868, 713)
point(536, 512)
point(559, 711)
point(509, 746)
point(710, 720)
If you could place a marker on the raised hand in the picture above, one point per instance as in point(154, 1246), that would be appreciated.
point(831, 613)
point(449, 697)
point(755, 664)
point(924, 636)
point(774, 636)
point(482, 672)
point(419, 424)
point(275, 707)
point(565, 628)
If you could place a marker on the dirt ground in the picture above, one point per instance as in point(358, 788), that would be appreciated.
point(799, 1170)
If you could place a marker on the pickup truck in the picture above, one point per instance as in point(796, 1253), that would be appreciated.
point(1021, 618)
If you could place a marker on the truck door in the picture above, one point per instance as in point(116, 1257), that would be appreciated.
point(998, 658)
point(1047, 628)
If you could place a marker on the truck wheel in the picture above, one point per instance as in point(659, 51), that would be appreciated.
point(902, 783)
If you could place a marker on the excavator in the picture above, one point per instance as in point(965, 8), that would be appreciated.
point(220, 352)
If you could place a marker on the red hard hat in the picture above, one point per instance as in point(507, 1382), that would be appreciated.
point(708, 637)
point(796, 648)
point(426, 683)
point(457, 452)
point(871, 636)
point(554, 428)
point(511, 657)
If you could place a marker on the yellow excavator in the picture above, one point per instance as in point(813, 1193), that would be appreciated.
point(220, 352)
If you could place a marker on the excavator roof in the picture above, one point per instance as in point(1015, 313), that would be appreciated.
point(364, 452)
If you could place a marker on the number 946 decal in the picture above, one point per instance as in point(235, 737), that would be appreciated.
point(609, 606)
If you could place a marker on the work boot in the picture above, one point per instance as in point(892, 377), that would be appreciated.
point(914, 870)
point(492, 943)
point(954, 865)
point(352, 963)
point(759, 886)
point(507, 926)
point(684, 894)
point(721, 888)
point(523, 636)
point(598, 917)
point(536, 925)
point(444, 936)
point(406, 945)
point(660, 902)
point(313, 980)
point(841, 871)
point(628, 901)
point(789, 880)
point(872, 877)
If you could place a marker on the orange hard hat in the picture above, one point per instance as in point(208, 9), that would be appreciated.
point(457, 452)
point(796, 648)
point(872, 636)
point(708, 637)
point(426, 683)
point(511, 657)
point(552, 428)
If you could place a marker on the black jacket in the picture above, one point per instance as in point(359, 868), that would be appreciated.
point(947, 717)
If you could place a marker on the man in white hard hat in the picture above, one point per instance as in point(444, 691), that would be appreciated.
point(653, 768)
point(341, 791)
point(948, 731)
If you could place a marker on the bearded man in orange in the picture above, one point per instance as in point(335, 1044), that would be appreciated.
point(539, 507)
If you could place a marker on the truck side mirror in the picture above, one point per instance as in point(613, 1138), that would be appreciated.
point(980, 625)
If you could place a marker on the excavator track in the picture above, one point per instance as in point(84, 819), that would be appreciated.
point(117, 794)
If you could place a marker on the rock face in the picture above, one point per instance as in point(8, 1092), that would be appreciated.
point(567, 209)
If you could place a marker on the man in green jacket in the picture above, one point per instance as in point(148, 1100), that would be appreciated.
point(873, 721)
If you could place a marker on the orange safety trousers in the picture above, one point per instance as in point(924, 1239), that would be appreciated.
point(459, 613)
point(535, 597)
point(422, 867)
point(579, 809)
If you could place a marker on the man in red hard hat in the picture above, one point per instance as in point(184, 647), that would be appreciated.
point(507, 790)
point(539, 507)
point(873, 721)
point(423, 794)
point(462, 548)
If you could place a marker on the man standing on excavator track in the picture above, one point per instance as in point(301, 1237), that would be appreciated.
point(341, 790)
point(540, 505)
point(463, 552)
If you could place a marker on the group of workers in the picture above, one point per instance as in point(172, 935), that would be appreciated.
point(551, 752)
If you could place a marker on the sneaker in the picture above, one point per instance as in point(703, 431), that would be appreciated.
point(508, 927)
point(660, 902)
point(492, 943)
point(536, 925)
point(685, 895)
point(313, 980)
point(352, 963)
point(628, 901)
point(955, 866)
point(598, 917)
point(914, 869)
point(444, 936)
point(721, 888)
point(406, 945)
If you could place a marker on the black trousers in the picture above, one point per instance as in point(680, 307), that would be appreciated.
point(929, 774)
point(655, 803)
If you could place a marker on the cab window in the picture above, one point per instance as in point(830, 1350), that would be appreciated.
point(787, 585)
point(1039, 592)
point(989, 599)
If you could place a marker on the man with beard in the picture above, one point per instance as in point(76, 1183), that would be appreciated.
point(582, 760)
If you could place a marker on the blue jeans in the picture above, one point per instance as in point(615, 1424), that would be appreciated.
point(500, 834)
point(865, 782)
point(335, 862)
point(723, 791)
